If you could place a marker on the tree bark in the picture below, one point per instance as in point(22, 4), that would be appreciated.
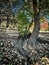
point(35, 32)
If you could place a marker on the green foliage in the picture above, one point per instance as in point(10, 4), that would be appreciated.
point(24, 19)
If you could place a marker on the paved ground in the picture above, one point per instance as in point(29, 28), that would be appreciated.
point(13, 34)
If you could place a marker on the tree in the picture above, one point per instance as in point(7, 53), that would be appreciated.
point(33, 37)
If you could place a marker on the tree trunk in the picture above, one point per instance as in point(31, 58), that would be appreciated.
point(33, 37)
point(8, 13)
point(35, 32)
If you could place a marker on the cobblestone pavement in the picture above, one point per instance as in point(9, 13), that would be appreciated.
point(10, 56)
